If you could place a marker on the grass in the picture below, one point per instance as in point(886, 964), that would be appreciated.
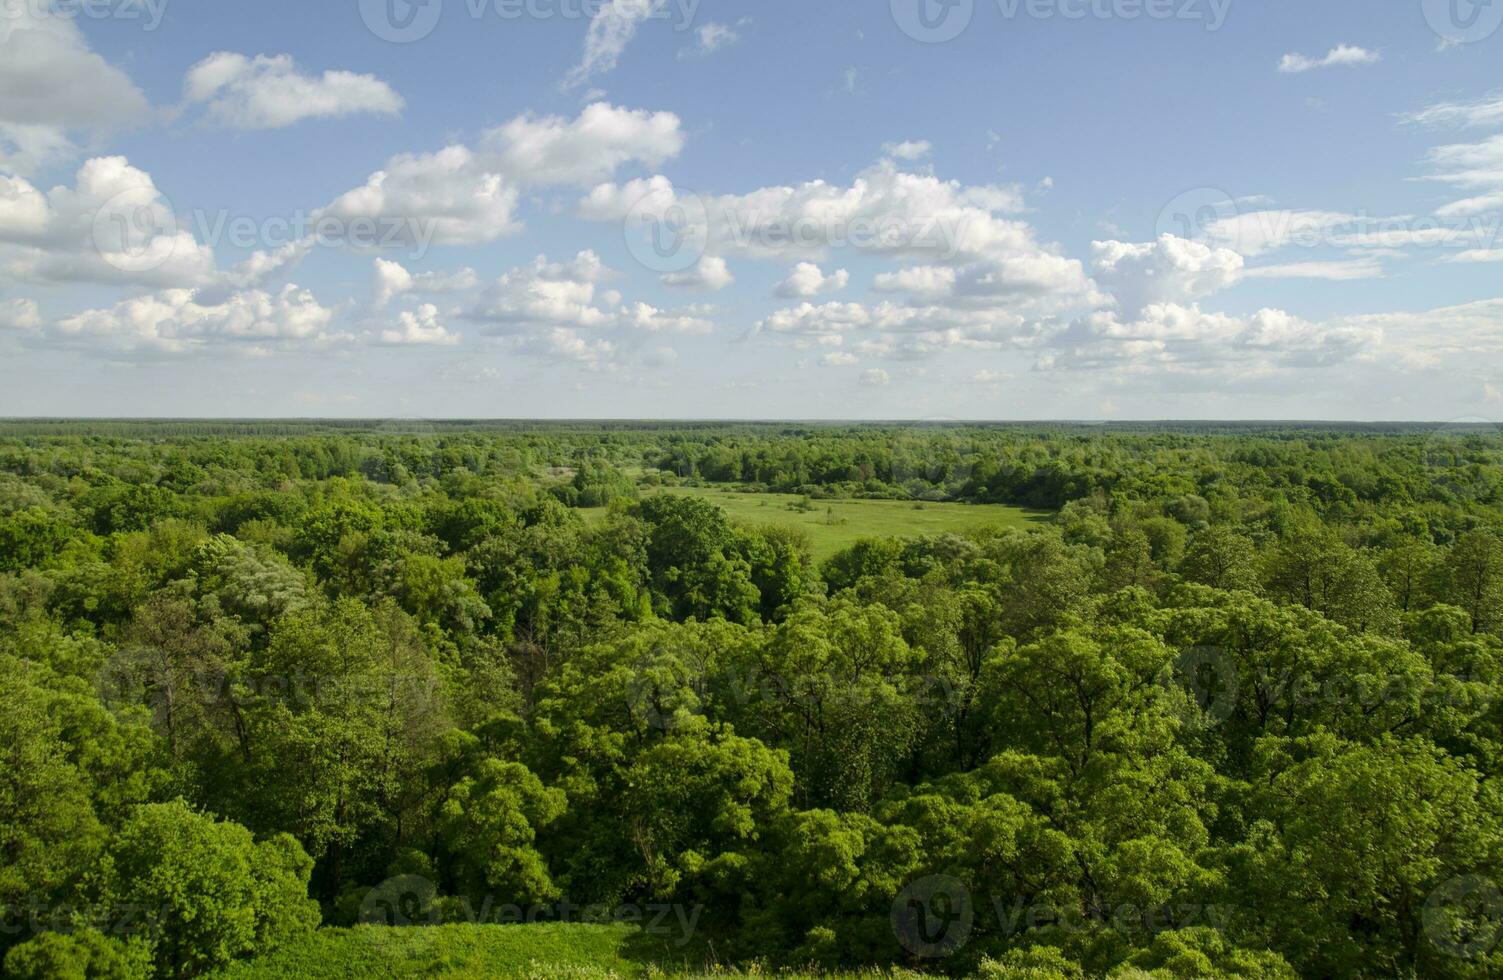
point(834, 525)
point(544, 951)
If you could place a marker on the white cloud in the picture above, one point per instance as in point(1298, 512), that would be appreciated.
point(549, 150)
point(875, 378)
point(19, 314)
point(928, 282)
point(992, 261)
point(1255, 232)
point(450, 197)
point(838, 358)
point(175, 322)
point(908, 149)
point(641, 316)
point(420, 328)
point(113, 226)
point(559, 310)
point(559, 343)
point(1335, 271)
point(712, 37)
point(1472, 166)
point(1486, 111)
point(1474, 255)
point(52, 84)
point(460, 196)
point(709, 273)
point(27, 147)
point(808, 279)
point(268, 92)
point(1170, 270)
point(392, 279)
point(1184, 339)
point(546, 294)
point(610, 31)
point(1344, 55)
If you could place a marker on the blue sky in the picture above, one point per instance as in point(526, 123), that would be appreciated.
point(1154, 209)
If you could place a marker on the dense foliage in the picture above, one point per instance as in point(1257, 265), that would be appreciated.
point(1233, 713)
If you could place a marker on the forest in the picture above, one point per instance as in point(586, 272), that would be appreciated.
point(1228, 707)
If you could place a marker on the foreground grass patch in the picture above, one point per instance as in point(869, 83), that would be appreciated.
point(548, 951)
point(834, 525)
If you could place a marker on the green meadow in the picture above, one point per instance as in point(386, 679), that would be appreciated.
point(545, 951)
point(834, 525)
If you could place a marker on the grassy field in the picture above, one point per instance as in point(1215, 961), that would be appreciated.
point(837, 524)
point(548, 951)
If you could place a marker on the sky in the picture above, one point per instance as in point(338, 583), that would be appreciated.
point(881, 209)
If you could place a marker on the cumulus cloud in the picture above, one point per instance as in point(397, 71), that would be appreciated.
point(709, 273)
point(464, 196)
point(1170, 269)
point(875, 378)
point(268, 92)
point(928, 282)
point(392, 279)
point(546, 293)
point(19, 314)
point(447, 198)
point(981, 275)
point(420, 328)
point(1343, 55)
point(52, 84)
point(550, 150)
point(908, 149)
point(113, 226)
point(174, 321)
point(808, 279)
point(650, 319)
point(977, 255)
point(1184, 339)
point(885, 211)
point(561, 309)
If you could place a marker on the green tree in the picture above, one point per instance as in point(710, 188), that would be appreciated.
point(210, 893)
